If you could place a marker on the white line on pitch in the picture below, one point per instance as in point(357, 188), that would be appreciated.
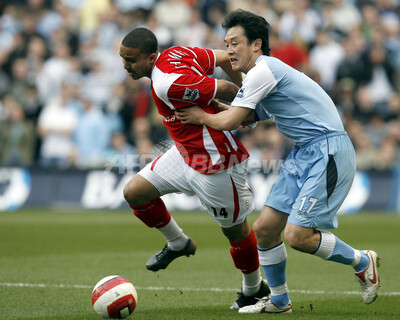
point(78, 286)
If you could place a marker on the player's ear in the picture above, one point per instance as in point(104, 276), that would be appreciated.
point(257, 44)
point(152, 57)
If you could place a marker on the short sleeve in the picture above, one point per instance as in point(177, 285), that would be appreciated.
point(206, 59)
point(258, 83)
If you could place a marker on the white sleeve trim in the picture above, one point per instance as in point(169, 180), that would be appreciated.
point(161, 84)
point(215, 91)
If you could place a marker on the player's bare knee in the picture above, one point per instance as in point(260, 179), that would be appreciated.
point(237, 233)
point(132, 194)
point(296, 240)
point(129, 195)
point(260, 230)
point(291, 239)
point(139, 191)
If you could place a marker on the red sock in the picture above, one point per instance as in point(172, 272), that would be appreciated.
point(154, 214)
point(245, 255)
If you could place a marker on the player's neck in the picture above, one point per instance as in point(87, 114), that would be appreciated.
point(252, 62)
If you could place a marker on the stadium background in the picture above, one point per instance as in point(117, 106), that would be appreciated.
point(74, 127)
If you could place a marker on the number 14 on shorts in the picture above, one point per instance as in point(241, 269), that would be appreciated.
point(222, 212)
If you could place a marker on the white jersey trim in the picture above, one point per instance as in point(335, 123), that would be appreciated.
point(231, 140)
point(161, 84)
point(215, 91)
point(210, 147)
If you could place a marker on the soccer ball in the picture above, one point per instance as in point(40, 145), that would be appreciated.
point(114, 297)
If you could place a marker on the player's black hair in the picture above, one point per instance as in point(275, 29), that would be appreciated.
point(254, 26)
point(142, 39)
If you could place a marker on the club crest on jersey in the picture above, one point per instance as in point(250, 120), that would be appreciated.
point(191, 95)
point(240, 93)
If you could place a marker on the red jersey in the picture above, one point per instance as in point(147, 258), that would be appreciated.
point(180, 79)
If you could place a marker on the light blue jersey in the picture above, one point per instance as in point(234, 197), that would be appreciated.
point(316, 176)
point(300, 108)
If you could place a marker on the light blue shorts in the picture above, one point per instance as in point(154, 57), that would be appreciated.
point(314, 180)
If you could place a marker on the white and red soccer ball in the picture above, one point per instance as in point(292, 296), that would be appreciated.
point(114, 297)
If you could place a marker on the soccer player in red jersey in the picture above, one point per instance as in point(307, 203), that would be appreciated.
point(206, 162)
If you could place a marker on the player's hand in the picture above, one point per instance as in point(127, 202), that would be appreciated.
point(191, 115)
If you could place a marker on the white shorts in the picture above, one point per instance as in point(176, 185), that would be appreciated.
point(225, 194)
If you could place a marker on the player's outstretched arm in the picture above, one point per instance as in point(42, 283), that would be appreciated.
point(228, 119)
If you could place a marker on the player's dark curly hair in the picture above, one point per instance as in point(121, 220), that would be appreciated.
point(254, 26)
point(142, 39)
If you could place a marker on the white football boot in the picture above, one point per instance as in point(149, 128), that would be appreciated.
point(368, 278)
point(265, 305)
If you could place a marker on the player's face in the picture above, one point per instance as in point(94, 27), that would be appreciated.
point(137, 64)
point(242, 54)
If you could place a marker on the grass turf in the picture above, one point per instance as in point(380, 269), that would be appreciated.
point(50, 260)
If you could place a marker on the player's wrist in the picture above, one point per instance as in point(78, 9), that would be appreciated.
point(204, 118)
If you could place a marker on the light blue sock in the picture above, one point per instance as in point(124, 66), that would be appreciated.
point(273, 262)
point(363, 264)
point(276, 278)
point(333, 249)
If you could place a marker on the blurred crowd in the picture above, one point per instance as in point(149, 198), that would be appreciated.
point(66, 101)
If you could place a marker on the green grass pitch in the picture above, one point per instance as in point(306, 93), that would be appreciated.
point(50, 260)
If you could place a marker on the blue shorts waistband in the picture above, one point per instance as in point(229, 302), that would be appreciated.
point(321, 137)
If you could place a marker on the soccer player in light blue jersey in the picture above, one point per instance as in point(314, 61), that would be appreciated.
point(316, 176)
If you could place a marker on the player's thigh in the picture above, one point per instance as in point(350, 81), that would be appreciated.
point(167, 173)
point(226, 194)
